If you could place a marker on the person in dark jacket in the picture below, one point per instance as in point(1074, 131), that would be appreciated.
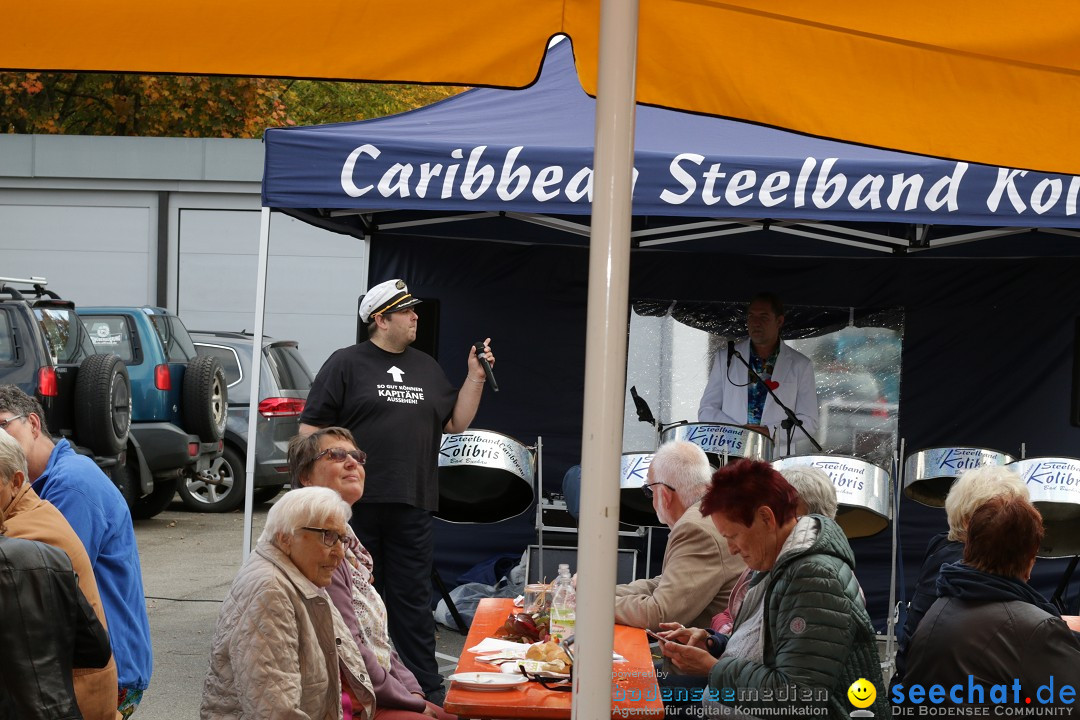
point(988, 626)
point(971, 490)
point(47, 628)
point(802, 636)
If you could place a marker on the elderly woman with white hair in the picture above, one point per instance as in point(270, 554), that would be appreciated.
point(280, 647)
point(966, 495)
point(329, 458)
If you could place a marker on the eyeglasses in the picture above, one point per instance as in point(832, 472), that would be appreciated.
point(647, 488)
point(4, 423)
point(333, 537)
point(339, 455)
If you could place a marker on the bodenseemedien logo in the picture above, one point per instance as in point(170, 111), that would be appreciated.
point(862, 694)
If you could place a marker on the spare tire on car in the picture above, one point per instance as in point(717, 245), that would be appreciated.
point(206, 399)
point(102, 404)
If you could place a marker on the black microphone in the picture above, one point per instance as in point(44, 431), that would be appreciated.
point(486, 365)
point(730, 352)
point(644, 413)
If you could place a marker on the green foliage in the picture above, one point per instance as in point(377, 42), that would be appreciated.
point(191, 106)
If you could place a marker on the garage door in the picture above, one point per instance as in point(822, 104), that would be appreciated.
point(313, 278)
point(95, 248)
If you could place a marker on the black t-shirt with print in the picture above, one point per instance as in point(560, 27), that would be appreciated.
point(396, 405)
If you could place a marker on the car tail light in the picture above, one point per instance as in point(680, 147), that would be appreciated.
point(281, 407)
point(47, 384)
point(880, 411)
point(162, 378)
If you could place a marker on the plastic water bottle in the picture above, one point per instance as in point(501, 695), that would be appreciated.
point(563, 604)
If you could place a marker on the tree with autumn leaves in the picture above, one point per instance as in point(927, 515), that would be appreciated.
point(191, 106)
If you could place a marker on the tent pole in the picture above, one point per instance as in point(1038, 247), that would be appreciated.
point(605, 357)
point(256, 371)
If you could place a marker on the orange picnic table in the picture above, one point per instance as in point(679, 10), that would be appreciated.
point(634, 692)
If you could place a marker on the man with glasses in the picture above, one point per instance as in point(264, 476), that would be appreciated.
point(397, 402)
point(699, 571)
point(98, 513)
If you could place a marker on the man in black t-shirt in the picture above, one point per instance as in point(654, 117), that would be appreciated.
point(397, 402)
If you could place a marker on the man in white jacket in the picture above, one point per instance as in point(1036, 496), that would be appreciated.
point(731, 397)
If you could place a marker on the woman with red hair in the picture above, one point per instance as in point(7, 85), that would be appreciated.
point(803, 625)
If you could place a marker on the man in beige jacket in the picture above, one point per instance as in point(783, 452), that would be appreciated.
point(699, 571)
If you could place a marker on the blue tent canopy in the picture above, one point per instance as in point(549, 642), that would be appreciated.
point(514, 166)
point(526, 155)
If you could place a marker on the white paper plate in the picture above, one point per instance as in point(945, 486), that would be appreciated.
point(488, 680)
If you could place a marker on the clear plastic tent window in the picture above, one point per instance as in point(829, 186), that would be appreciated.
point(855, 352)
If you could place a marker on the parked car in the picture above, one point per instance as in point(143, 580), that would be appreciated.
point(284, 381)
point(856, 419)
point(178, 405)
point(45, 351)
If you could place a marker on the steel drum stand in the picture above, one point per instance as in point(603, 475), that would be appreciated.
point(888, 665)
point(458, 620)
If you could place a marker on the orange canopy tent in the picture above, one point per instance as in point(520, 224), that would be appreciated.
point(990, 82)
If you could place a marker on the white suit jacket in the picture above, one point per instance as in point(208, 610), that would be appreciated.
point(725, 401)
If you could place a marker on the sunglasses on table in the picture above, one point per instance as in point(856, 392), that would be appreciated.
point(647, 488)
point(330, 538)
point(548, 683)
point(339, 455)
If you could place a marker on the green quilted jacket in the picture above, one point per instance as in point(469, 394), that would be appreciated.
point(818, 639)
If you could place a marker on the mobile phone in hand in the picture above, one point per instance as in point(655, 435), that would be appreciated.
point(657, 637)
point(654, 636)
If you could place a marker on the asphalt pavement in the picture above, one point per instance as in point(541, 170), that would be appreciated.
point(188, 563)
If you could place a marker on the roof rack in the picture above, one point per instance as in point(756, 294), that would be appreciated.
point(32, 280)
point(37, 283)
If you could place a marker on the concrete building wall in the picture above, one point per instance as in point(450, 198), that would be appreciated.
point(173, 222)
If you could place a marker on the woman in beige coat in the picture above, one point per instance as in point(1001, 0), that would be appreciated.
point(280, 648)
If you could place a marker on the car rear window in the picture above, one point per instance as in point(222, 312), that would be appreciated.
point(110, 334)
point(229, 361)
point(61, 329)
point(289, 368)
point(174, 336)
point(7, 340)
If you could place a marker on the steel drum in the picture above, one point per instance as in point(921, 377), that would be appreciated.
point(862, 491)
point(484, 477)
point(634, 507)
point(720, 440)
point(1054, 484)
point(929, 473)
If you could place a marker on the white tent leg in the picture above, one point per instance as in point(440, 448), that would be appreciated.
point(256, 371)
point(605, 358)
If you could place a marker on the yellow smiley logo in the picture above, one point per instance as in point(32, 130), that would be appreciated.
point(862, 693)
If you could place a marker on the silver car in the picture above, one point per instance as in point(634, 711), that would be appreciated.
point(283, 388)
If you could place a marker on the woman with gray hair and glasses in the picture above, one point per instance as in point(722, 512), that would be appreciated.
point(329, 458)
point(280, 647)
